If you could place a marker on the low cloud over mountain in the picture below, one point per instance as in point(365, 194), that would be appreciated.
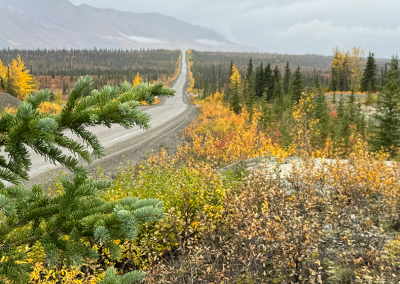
point(59, 23)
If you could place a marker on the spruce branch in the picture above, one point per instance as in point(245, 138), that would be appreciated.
point(28, 216)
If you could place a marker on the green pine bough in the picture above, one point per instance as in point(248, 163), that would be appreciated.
point(28, 216)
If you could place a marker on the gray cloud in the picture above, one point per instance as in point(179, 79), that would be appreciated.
point(285, 26)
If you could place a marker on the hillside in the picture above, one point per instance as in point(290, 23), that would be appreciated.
point(58, 23)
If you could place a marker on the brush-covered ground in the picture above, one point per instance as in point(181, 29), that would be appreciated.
point(336, 223)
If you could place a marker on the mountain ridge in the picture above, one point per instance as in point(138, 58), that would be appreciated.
point(60, 24)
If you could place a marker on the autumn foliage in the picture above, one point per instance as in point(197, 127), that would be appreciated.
point(331, 217)
point(16, 80)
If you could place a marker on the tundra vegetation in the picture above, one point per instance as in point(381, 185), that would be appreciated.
point(333, 218)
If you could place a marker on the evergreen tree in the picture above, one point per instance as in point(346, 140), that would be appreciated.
point(351, 106)
point(10, 84)
point(79, 212)
point(226, 86)
point(278, 89)
point(334, 75)
point(360, 121)
point(322, 114)
point(387, 128)
point(356, 115)
point(318, 84)
point(250, 94)
point(297, 86)
point(341, 107)
point(286, 79)
point(260, 81)
point(394, 63)
point(267, 118)
point(276, 77)
point(269, 85)
point(369, 77)
point(234, 89)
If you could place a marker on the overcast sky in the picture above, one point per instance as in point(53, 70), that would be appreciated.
point(285, 26)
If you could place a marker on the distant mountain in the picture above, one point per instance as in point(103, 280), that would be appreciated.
point(59, 23)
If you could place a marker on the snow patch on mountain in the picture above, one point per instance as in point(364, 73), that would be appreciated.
point(142, 39)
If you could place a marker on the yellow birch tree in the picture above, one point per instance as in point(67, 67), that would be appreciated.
point(137, 80)
point(357, 65)
point(21, 79)
point(2, 70)
point(348, 68)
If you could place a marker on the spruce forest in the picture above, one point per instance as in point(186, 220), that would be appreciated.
point(288, 171)
point(60, 69)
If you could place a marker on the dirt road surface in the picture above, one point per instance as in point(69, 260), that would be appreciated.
point(169, 118)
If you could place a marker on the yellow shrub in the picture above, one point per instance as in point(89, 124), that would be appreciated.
point(50, 108)
point(11, 109)
point(220, 136)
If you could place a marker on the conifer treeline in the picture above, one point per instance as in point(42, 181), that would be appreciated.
point(211, 69)
point(107, 64)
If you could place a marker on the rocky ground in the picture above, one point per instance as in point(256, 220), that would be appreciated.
point(273, 166)
point(6, 100)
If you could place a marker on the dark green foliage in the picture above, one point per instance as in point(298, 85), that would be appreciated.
point(226, 87)
point(206, 62)
point(131, 277)
point(286, 79)
point(268, 118)
point(297, 86)
point(30, 215)
point(276, 77)
point(278, 89)
point(234, 99)
point(360, 121)
point(231, 69)
point(269, 83)
point(369, 81)
point(260, 81)
point(322, 114)
point(10, 85)
point(394, 63)
point(249, 89)
point(387, 127)
point(317, 83)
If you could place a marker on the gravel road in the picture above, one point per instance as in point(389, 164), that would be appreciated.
point(169, 118)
